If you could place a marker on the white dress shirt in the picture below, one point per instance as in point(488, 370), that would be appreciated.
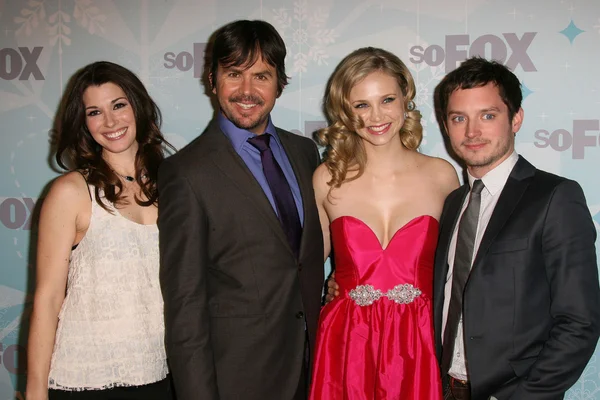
point(494, 182)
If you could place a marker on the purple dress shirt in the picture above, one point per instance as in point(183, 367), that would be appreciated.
point(251, 156)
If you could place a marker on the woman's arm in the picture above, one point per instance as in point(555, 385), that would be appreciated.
point(60, 228)
point(321, 188)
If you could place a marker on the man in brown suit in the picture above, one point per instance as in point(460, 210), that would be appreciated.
point(240, 240)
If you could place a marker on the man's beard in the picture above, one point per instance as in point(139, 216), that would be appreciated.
point(241, 122)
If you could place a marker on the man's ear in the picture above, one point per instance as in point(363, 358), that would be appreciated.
point(517, 121)
point(212, 83)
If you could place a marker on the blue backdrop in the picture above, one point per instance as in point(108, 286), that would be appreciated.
point(552, 45)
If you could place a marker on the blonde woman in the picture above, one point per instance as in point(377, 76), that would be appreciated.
point(379, 201)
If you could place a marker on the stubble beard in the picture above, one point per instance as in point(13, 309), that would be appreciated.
point(248, 125)
point(490, 159)
point(241, 121)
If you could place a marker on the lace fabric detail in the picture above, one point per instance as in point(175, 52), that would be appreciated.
point(111, 327)
point(365, 295)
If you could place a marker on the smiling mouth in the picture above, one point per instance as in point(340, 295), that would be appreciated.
point(246, 106)
point(116, 134)
point(379, 129)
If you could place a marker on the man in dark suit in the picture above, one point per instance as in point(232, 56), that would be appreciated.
point(240, 240)
point(516, 294)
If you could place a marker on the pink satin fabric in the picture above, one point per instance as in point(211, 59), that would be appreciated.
point(384, 351)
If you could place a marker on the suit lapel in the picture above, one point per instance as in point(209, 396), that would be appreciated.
point(448, 222)
point(513, 190)
point(303, 177)
point(231, 164)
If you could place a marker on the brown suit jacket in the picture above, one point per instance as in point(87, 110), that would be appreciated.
point(238, 304)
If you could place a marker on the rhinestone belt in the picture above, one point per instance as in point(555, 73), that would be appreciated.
point(365, 295)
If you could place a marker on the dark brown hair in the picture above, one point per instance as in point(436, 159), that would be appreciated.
point(241, 43)
point(476, 72)
point(77, 150)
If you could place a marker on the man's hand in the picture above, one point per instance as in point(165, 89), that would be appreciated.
point(333, 290)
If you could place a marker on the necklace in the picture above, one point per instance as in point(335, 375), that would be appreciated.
point(129, 178)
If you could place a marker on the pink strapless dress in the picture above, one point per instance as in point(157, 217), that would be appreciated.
point(375, 340)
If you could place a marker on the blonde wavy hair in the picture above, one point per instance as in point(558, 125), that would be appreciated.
point(344, 147)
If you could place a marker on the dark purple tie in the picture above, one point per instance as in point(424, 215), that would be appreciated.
point(281, 191)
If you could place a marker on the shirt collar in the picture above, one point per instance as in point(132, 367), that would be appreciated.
point(495, 179)
point(238, 136)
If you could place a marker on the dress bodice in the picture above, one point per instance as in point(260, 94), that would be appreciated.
point(407, 259)
point(375, 340)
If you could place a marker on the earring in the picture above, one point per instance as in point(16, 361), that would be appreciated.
point(411, 105)
point(405, 115)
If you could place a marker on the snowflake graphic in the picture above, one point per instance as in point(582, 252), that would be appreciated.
point(422, 95)
point(425, 87)
point(586, 387)
point(159, 84)
point(88, 16)
point(10, 298)
point(597, 26)
point(35, 16)
point(424, 125)
point(84, 12)
point(309, 37)
point(30, 17)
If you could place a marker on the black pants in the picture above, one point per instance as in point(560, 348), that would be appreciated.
point(160, 390)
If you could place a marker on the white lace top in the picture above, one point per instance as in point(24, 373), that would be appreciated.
point(111, 327)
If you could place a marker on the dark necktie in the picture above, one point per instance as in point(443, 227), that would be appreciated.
point(465, 243)
point(281, 191)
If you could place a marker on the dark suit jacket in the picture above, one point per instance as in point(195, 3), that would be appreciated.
point(531, 309)
point(238, 303)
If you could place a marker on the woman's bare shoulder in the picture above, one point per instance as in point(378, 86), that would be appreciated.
point(69, 189)
point(442, 171)
point(321, 176)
